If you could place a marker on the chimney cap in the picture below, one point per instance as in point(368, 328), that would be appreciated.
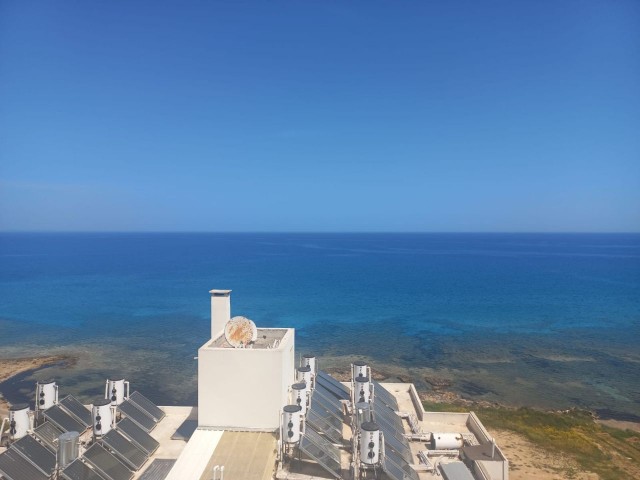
point(219, 292)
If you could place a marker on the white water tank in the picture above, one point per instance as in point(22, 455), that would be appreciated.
point(359, 369)
point(291, 423)
point(299, 395)
point(46, 394)
point(309, 360)
point(115, 391)
point(304, 375)
point(68, 448)
point(101, 416)
point(19, 422)
point(369, 443)
point(446, 441)
point(362, 392)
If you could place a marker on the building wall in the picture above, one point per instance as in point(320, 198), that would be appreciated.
point(242, 388)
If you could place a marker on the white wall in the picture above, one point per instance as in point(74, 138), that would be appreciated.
point(243, 388)
point(220, 311)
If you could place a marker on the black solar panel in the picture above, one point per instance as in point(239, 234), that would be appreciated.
point(138, 416)
point(36, 453)
point(109, 466)
point(321, 423)
point(322, 451)
point(80, 471)
point(47, 433)
point(334, 386)
point(132, 456)
point(138, 435)
point(63, 420)
point(73, 405)
point(397, 468)
point(147, 406)
point(14, 466)
point(327, 410)
point(389, 415)
point(334, 408)
point(383, 394)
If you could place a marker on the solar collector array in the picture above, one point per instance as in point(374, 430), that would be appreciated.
point(63, 420)
point(138, 435)
point(79, 411)
point(128, 453)
point(77, 470)
point(108, 465)
point(143, 419)
point(322, 451)
point(147, 406)
point(36, 453)
point(48, 433)
point(335, 387)
point(14, 466)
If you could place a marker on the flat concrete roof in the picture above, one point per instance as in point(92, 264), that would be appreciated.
point(266, 339)
point(246, 455)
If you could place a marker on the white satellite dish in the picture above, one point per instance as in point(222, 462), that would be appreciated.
point(240, 331)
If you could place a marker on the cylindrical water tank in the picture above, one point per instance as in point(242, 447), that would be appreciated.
point(359, 369)
point(45, 394)
point(362, 411)
point(369, 443)
point(304, 375)
point(446, 441)
point(309, 360)
point(299, 394)
point(115, 391)
point(19, 420)
point(291, 423)
point(362, 391)
point(101, 416)
point(68, 448)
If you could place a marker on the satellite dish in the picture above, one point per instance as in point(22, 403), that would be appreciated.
point(240, 331)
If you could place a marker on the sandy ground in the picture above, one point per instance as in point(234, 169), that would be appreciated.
point(14, 366)
point(528, 461)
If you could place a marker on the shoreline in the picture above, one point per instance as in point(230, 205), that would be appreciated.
point(13, 366)
point(529, 457)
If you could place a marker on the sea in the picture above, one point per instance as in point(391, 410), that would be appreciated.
point(544, 320)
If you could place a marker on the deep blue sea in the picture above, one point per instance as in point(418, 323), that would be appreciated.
point(549, 320)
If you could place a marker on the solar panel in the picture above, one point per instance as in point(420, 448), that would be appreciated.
point(319, 400)
point(318, 404)
point(36, 453)
point(322, 451)
point(322, 390)
point(147, 406)
point(14, 466)
point(63, 420)
point(47, 433)
point(389, 415)
point(320, 423)
point(77, 470)
point(330, 401)
point(109, 466)
point(383, 394)
point(397, 468)
point(138, 416)
point(138, 435)
point(73, 405)
point(331, 384)
point(127, 452)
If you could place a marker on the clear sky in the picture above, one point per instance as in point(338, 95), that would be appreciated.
point(320, 115)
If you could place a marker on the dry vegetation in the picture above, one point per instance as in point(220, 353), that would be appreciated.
point(576, 446)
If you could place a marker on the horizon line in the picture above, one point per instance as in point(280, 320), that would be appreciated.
point(327, 232)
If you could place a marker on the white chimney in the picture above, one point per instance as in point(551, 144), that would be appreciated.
point(220, 311)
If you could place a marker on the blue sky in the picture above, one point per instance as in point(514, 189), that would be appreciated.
point(320, 116)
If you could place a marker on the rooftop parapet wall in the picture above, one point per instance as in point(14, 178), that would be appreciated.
point(245, 388)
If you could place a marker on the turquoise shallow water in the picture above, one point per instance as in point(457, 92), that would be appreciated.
point(542, 319)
